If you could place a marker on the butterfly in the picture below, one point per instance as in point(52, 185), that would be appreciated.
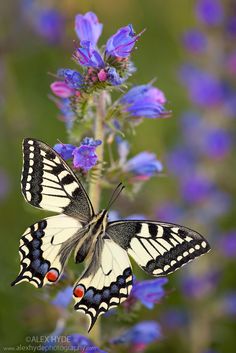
point(158, 248)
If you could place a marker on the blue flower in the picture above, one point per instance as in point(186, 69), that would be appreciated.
point(149, 292)
point(144, 165)
point(83, 344)
point(49, 23)
point(63, 298)
point(122, 42)
point(84, 156)
point(217, 143)
point(67, 114)
point(228, 303)
point(140, 335)
point(72, 77)
point(88, 28)
point(196, 187)
point(199, 286)
point(227, 244)
point(113, 77)
point(64, 150)
point(210, 12)
point(170, 212)
point(195, 41)
point(144, 101)
point(88, 56)
point(204, 89)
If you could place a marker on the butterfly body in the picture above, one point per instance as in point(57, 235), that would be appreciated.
point(158, 248)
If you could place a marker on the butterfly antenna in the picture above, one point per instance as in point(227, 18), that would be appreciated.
point(115, 194)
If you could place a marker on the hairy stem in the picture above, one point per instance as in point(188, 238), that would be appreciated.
point(95, 186)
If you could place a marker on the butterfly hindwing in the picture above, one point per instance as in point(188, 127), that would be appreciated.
point(45, 248)
point(49, 183)
point(158, 248)
point(106, 282)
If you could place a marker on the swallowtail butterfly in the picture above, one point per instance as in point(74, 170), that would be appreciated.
point(158, 248)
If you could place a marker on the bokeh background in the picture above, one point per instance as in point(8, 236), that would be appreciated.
point(195, 145)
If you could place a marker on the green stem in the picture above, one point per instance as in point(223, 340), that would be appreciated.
point(95, 186)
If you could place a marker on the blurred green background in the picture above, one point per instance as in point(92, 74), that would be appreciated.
point(26, 59)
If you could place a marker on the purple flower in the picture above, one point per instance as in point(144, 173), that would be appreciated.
point(200, 286)
point(195, 41)
point(49, 23)
point(149, 292)
point(143, 91)
point(83, 344)
point(181, 160)
point(229, 303)
point(169, 212)
point(122, 42)
point(113, 77)
point(88, 56)
point(61, 89)
point(72, 78)
point(67, 114)
point(140, 335)
point(4, 184)
point(64, 150)
point(84, 155)
point(231, 26)
point(204, 88)
point(144, 165)
point(88, 28)
point(227, 244)
point(144, 101)
point(217, 143)
point(63, 298)
point(196, 188)
point(174, 319)
point(210, 12)
point(231, 63)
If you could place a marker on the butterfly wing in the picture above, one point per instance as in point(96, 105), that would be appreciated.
point(106, 282)
point(158, 248)
point(45, 248)
point(49, 183)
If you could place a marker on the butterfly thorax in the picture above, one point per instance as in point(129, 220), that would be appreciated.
point(94, 229)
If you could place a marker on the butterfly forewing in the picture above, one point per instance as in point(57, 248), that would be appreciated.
point(106, 282)
point(158, 248)
point(49, 183)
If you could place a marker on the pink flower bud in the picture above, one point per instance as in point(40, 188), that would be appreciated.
point(102, 75)
point(61, 89)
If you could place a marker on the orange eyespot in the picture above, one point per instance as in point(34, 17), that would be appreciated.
point(52, 275)
point(79, 291)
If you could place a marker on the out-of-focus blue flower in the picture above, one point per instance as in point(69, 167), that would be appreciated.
point(217, 143)
point(231, 63)
point(72, 77)
point(83, 344)
point(143, 166)
point(63, 298)
point(49, 23)
point(204, 89)
point(144, 101)
point(196, 187)
point(64, 150)
point(200, 286)
point(169, 212)
point(174, 318)
point(181, 160)
point(88, 56)
point(227, 244)
point(87, 27)
point(210, 12)
point(231, 26)
point(113, 77)
point(84, 156)
point(136, 216)
point(228, 304)
point(68, 115)
point(122, 42)
point(149, 292)
point(140, 335)
point(195, 41)
point(4, 184)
